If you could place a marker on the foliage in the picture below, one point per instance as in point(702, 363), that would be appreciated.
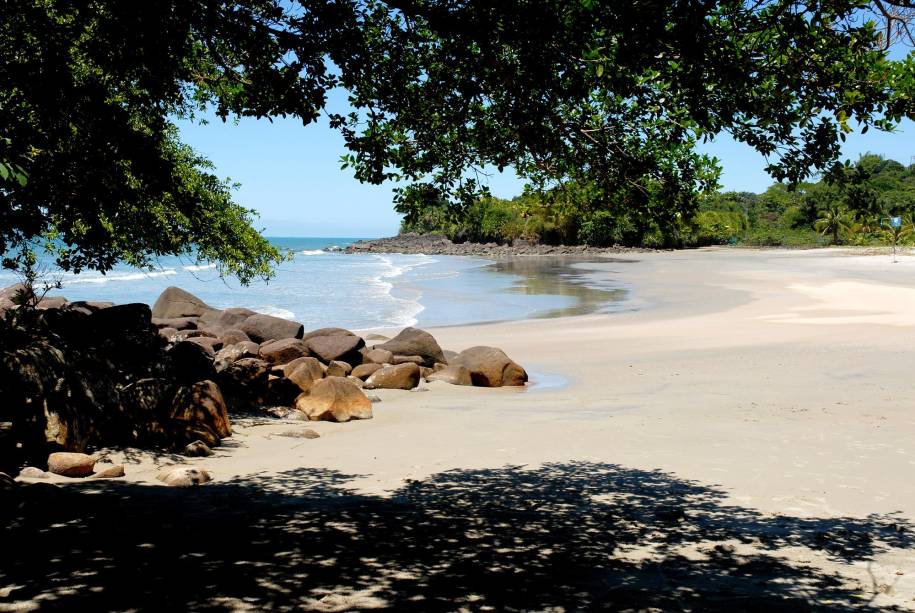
point(611, 96)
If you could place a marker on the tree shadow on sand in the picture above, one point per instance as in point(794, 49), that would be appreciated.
point(574, 536)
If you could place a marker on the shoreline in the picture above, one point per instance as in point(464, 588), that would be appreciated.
point(751, 427)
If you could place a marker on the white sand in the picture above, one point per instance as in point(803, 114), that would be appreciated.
point(786, 379)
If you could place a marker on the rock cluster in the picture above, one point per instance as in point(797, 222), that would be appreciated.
point(436, 244)
point(170, 376)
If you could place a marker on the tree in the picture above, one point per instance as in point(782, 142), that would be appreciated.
point(833, 222)
point(614, 94)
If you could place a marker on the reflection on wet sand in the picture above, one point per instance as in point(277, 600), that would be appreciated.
point(564, 276)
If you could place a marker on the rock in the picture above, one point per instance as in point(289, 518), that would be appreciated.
point(284, 351)
point(334, 399)
point(261, 328)
point(315, 365)
point(341, 347)
point(51, 302)
point(30, 472)
point(71, 464)
point(184, 476)
point(413, 341)
point(7, 482)
point(244, 383)
point(401, 376)
point(210, 344)
point(338, 369)
point(89, 306)
point(227, 318)
point(305, 373)
point(364, 370)
point(234, 336)
point(175, 302)
point(169, 334)
point(327, 332)
point(178, 323)
point(439, 366)
point(377, 356)
point(403, 359)
point(110, 472)
point(282, 391)
point(490, 367)
point(425, 371)
point(202, 403)
point(197, 449)
point(449, 355)
point(191, 362)
point(12, 296)
point(454, 374)
point(232, 353)
point(356, 381)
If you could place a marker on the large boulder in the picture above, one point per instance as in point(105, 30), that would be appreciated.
point(336, 368)
point(244, 383)
point(191, 362)
point(364, 370)
point(203, 404)
point(454, 374)
point(305, 372)
point(413, 341)
point(327, 332)
point(377, 356)
point(218, 322)
point(341, 347)
point(71, 464)
point(334, 399)
point(490, 367)
point(284, 351)
point(178, 323)
point(260, 328)
point(399, 377)
point(176, 302)
point(233, 336)
point(12, 296)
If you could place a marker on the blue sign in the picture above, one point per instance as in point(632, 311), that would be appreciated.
point(896, 222)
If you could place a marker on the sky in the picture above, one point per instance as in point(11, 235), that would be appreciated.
point(291, 174)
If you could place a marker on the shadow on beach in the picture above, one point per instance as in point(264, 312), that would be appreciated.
point(560, 537)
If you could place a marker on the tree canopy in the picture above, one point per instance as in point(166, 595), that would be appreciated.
point(609, 94)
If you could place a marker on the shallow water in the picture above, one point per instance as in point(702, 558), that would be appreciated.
point(321, 287)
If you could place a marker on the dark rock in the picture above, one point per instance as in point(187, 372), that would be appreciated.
point(413, 341)
point(284, 351)
point(260, 328)
point(233, 336)
point(202, 403)
point(330, 348)
point(176, 302)
point(191, 362)
point(244, 383)
point(327, 332)
point(178, 323)
point(210, 344)
point(197, 449)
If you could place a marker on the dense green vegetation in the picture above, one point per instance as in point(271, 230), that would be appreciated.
point(607, 96)
point(850, 205)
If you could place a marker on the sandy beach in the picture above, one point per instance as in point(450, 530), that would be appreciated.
point(740, 437)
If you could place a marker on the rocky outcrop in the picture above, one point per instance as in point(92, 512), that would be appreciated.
point(334, 399)
point(436, 244)
point(490, 367)
point(260, 328)
point(176, 302)
point(399, 377)
point(415, 342)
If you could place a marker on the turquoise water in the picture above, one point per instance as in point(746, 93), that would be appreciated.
point(323, 287)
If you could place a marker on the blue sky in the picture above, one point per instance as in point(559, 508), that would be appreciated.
point(291, 174)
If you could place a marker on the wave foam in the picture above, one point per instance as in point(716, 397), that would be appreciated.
point(195, 267)
point(275, 311)
point(133, 276)
point(312, 252)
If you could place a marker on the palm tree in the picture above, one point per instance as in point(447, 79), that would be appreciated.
point(834, 220)
point(894, 233)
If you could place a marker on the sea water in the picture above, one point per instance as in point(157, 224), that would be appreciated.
point(321, 286)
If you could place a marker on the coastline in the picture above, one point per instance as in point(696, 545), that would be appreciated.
point(769, 386)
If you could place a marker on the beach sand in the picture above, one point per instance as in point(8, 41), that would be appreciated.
point(742, 438)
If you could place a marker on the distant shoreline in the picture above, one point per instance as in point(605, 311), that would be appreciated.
point(436, 244)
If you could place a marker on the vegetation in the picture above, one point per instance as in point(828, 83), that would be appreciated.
point(853, 204)
point(608, 97)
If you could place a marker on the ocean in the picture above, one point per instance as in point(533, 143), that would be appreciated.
point(323, 287)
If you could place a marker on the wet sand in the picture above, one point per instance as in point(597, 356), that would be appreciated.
point(743, 439)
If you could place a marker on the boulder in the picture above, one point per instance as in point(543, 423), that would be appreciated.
point(403, 359)
point(51, 302)
point(413, 341)
point(341, 347)
point(334, 399)
point(377, 356)
point(401, 376)
point(232, 353)
point(184, 476)
point(244, 383)
point(197, 449)
point(364, 370)
point(12, 296)
point(191, 362)
point(449, 355)
point(282, 391)
point(202, 403)
point(284, 351)
point(336, 368)
point(260, 328)
point(227, 318)
point(315, 365)
point(110, 472)
point(454, 374)
point(355, 381)
point(178, 323)
point(175, 302)
point(210, 344)
point(234, 336)
point(89, 306)
point(71, 464)
point(169, 334)
point(327, 332)
point(305, 373)
point(490, 367)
